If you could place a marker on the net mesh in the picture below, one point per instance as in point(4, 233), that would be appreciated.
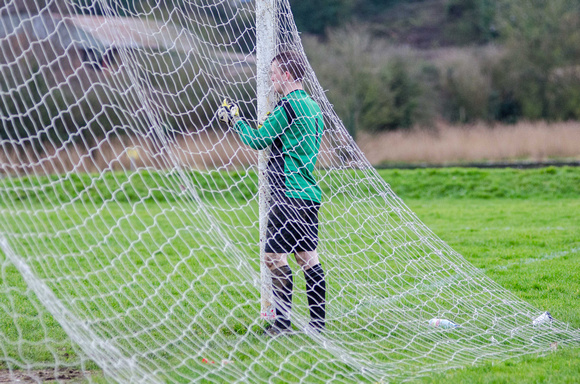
point(128, 217)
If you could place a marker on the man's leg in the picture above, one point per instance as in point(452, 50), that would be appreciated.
point(315, 287)
point(282, 285)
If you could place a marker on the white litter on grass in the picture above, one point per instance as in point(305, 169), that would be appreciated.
point(544, 318)
point(442, 323)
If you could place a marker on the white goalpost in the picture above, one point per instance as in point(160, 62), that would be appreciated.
point(265, 50)
point(132, 222)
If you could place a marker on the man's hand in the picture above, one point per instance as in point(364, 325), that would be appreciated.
point(228, 112)
point(263, 120)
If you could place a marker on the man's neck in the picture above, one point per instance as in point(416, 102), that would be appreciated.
point(291, 87)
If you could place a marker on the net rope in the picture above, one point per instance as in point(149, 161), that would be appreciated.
point(128, 217)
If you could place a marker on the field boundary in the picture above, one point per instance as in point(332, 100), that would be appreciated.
point(515, 165)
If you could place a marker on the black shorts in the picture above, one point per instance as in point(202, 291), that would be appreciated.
point(292, 226)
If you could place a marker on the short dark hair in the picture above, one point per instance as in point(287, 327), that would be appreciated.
point(292, 62)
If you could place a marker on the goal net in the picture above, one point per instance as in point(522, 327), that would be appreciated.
point(129, 236)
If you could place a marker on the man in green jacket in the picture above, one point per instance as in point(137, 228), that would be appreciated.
point(293, 131)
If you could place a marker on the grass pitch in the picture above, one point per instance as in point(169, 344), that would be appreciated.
point(532, 248)
point(520, 227)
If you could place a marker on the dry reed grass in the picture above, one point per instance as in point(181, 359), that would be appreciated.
point(204, 150)
point(195, 151)
point(442, 144)
point(445, 144)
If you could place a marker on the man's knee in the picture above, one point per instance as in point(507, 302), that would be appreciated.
point(307, 259)
point(275, 260)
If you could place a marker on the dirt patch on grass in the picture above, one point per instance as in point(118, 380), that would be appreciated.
point(43, 376)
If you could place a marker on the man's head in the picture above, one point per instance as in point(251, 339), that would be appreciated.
point(287, 71)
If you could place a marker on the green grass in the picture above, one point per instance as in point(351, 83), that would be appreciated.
point(457, 183)
point(531, 247)
point(528, 246)
point(520, 227)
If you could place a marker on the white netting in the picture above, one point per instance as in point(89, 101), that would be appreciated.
point(128, 216)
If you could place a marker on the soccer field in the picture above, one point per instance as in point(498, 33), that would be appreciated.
point(528, 243)
point(532, 248)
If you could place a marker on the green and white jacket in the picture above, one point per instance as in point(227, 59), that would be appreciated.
point(293, 130)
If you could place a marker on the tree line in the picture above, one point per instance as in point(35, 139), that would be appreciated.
point(497, 61)
point(492, 60)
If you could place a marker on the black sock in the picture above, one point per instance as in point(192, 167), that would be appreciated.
point(316, 294)
point(282, 284)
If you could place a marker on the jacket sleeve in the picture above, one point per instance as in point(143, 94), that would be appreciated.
point(265, 134)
